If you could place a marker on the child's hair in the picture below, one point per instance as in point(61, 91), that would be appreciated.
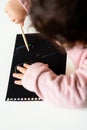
point(62, 20)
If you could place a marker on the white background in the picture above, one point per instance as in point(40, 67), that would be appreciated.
point(29, 115)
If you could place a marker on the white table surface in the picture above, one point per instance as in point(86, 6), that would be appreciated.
point(29, 115)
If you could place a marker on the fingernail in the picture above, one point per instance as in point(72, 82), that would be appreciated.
point(18, 67)
point(13, 74)
point(15, 82)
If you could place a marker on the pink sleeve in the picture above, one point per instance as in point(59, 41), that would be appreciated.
point(60, 90)
point(25, 4)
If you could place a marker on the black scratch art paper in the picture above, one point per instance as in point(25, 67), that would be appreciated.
point(41, 50)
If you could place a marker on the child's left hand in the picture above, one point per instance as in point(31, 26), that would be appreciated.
point(21, 73)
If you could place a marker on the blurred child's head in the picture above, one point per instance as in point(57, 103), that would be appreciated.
point(61, 20)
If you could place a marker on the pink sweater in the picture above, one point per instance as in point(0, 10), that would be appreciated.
point(60, 90)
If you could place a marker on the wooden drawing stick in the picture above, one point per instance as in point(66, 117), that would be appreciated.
point(24, 38)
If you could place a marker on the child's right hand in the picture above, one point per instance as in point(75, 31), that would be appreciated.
point(15, 11)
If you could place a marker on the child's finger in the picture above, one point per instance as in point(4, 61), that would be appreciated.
point(26, 65)
point(21, 69)
point(46, 65)
point(17, 21)
point(12, 19)
point(18, 76)
point(18, 82)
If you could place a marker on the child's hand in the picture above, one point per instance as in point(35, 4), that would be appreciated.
point(15, 11)
point(19, 75)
